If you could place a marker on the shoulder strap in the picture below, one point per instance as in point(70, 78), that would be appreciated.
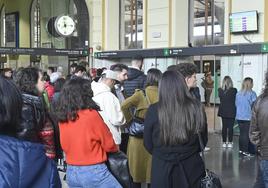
point(202, 148)
point(147, 98)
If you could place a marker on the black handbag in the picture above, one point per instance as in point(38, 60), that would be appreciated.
point(136, 127)
point(211, 180)
point(117, 163)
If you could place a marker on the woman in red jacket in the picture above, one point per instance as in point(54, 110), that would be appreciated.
point(84, 137)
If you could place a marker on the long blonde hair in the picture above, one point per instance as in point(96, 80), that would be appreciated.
point(247, 84)
point(227, 83)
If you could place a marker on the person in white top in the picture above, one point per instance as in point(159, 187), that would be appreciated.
point(109, 103)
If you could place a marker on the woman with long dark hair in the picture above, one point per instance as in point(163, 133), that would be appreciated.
point(23, 163)
point(84, 136)
point(171, 135)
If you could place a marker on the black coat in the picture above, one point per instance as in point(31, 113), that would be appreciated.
point(33, 117)
point(227, 107)
point(136, 80)
point(172, 167)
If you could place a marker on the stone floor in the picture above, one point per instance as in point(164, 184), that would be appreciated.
point(234, 170)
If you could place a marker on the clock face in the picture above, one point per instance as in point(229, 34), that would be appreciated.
point(64, 25)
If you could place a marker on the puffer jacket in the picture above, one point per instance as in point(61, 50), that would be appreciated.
point(136, 80)
point(33, 116)
point(36, 126)
point(24, 164)
point(258, 132)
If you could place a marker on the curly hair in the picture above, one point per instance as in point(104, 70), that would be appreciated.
point(26, 80)
point(75, 95)
point(186, 69)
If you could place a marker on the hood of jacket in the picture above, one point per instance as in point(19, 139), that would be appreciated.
point(133, 73)
point(98, 88)
point(24, 164)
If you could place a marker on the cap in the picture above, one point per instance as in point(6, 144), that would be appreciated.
point(110, 74)
point(55, 76)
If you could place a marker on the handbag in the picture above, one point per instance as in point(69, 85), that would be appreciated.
point(117, 163)
point(211, 180)
point(136, 127)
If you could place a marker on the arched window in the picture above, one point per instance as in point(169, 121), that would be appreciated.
point(59, 24)
point(131, 24)
point(3, 26)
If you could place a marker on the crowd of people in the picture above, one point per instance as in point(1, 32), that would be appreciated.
point(84, 116)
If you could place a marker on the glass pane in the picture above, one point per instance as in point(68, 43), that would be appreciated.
point(131, 24)
point(2, 27)
point(208, 17)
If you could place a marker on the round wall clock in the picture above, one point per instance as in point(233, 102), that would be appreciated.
point(64, 25)
point(61, 26)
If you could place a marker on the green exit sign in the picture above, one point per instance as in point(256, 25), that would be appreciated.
point(166, 52)
point(85, 52)
point(264, 47)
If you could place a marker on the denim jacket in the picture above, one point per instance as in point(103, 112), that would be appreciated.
point(244, 102)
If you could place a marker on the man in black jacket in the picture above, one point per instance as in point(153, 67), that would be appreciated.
point(136, 78)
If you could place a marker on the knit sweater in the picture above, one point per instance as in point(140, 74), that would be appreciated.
point(86, 140)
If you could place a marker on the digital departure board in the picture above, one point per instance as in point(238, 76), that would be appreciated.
point(243, 22)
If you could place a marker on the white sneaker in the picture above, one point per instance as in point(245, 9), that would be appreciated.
point(248, 154)
point(206, 149)
point(224, 145)
point(230, 145)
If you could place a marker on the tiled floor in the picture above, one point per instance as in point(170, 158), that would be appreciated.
point(234, 170)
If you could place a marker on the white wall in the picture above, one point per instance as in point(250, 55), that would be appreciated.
point(239, 67)
point(111, 31)
point(157, 23)
point(179, 23)
point(255, 66)
point(95, 12)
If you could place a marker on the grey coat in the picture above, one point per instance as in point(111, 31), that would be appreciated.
point(258, 132)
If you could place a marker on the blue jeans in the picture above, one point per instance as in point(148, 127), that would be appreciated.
point(259, 183)
point(93, 176)
point(264, 170)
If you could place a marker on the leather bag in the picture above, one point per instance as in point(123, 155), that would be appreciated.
point(211, 180)
point(117, 163)
point(136, 127)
